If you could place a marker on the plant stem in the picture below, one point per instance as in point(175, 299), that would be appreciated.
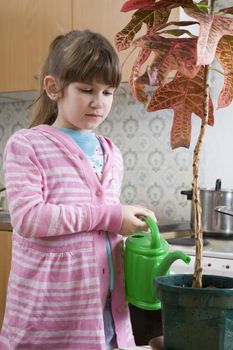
point(197, 277)
point(198, 267)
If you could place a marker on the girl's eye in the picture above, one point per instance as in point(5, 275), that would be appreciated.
point(86, 91)
point(108, 93)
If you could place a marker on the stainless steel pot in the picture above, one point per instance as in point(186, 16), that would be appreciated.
point(214, 224)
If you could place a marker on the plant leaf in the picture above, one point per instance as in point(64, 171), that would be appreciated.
point(138, 87)
point(171, 54)
point(228, 10)
point(224, 55)
point(174, 3)
point(137, 4)
point(203, 5)
point(175, 23)
point(185, 96)
point(124, 38)
point(176, 32)
point(156, 5)
point(212, 28)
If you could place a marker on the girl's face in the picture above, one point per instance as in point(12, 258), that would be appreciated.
point(84, 106)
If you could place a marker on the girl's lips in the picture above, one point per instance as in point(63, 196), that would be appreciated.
point(93, 115)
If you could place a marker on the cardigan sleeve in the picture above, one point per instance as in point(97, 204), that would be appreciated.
point(31, 215)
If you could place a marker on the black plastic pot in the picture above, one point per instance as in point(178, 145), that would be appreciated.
point(196, 318)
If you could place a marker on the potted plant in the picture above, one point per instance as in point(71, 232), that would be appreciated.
point(177, 76)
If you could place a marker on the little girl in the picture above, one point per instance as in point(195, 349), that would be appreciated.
point(63, 181)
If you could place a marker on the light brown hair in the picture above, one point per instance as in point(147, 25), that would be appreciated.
point(77, 56)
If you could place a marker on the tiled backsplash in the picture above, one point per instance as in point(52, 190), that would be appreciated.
point(154, 174)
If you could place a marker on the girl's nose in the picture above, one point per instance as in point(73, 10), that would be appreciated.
point(96, 101)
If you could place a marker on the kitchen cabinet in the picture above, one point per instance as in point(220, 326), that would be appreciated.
point(5, 263)
point(103, 16)
point(27, 28)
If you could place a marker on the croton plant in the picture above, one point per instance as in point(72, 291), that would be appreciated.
point(171, 71)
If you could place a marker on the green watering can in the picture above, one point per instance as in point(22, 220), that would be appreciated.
point(146, 257)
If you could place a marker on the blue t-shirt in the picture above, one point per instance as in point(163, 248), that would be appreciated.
point(90, 145)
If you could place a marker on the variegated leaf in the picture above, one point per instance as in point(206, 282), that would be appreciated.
point(203, 6)
point(156, 5)
point(176, 32)
point(175, 23)
point(171, 54)
point(227, 11)
point(174, 3)
point(124, 38)
point(137, 87)
point(149, 77)
point(137, 4)
point(224, 55)
point(185, 96)
point(212, 28)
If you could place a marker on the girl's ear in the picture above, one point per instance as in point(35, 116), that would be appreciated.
point(51, 87)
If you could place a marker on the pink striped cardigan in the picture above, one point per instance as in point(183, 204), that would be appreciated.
point(59, 276)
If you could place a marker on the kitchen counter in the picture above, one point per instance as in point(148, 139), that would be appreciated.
point(176, 229)
point(173, 226)
point(5, 224)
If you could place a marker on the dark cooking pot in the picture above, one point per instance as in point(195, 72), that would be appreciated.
point(214, 224)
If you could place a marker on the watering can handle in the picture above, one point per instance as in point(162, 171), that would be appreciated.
point(155, 234)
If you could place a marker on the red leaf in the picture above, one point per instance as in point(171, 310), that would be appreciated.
point(224, 54)
point(212, 28)
point(137, 4)
point(228, 10)
point(185, 96)
point(171, 54)
point(173, 4)
point(151, 19)
point(137, 87)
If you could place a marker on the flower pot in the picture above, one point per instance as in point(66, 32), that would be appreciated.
point(196, 318)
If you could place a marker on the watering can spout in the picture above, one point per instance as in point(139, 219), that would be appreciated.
point(168, 260)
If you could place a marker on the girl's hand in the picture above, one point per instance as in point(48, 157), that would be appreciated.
point(131, 222)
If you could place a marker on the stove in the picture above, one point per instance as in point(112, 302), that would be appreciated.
point(217, 252)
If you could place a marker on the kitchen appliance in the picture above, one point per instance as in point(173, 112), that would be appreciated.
point(214, 224)
point(217, 250)
point(146, 256)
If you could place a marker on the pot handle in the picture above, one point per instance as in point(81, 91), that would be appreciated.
point(188, 193)
point(218, 185)
point(224, 210)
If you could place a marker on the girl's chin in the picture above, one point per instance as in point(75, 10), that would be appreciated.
point(91, 125)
